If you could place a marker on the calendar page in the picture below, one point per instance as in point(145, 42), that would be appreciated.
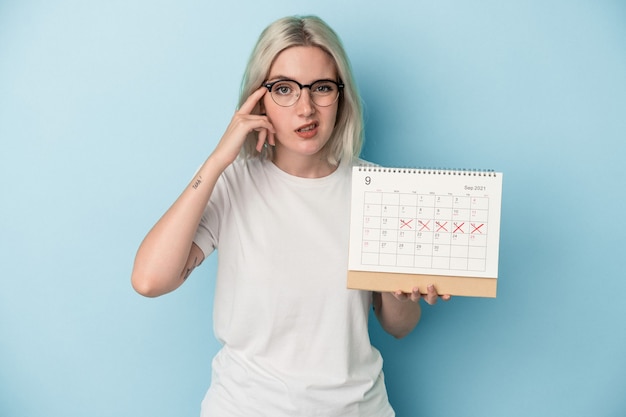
point(425, 221)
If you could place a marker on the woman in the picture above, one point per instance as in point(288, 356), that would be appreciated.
point(274, 198)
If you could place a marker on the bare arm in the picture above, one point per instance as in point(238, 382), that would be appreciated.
point(168, 255)
point(399, 313)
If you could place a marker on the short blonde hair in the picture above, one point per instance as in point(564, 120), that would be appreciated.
point(347, 137)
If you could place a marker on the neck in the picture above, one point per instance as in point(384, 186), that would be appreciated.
point(314, 166)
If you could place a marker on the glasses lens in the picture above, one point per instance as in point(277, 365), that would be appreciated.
point(285, 93)
point(324, 93)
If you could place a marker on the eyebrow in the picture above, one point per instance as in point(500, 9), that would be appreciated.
point(284, 77)
point(279, 77)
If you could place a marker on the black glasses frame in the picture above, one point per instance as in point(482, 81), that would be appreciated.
point(269, 86)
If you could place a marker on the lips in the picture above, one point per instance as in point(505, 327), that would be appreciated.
point(307, 128)
point(307, 131)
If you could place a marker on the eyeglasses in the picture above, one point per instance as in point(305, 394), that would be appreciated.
point(286, 93)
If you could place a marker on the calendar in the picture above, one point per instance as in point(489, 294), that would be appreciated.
point(414, 227)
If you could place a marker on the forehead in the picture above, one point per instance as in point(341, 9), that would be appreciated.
point(304, 64)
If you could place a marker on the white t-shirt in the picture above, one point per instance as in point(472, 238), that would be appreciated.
point(295, 339)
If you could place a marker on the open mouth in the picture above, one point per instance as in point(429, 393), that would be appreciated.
point(307, 128)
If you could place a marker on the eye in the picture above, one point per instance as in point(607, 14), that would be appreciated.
point(283, 88)
point(324, 87)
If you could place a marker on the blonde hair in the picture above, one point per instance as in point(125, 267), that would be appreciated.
point(347, 137)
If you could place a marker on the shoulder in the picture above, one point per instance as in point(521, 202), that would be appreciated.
point(243, 168)
point(358, 162)
point(244, 164)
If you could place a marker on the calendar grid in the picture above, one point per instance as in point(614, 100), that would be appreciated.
point(439, 232)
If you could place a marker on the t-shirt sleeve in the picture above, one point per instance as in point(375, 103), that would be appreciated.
point(208, 231)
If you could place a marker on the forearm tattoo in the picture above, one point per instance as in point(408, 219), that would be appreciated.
point(197, 182)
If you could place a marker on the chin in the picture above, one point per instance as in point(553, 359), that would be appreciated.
point(312, 150)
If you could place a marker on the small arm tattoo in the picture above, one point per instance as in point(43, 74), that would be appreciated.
point(197, 182)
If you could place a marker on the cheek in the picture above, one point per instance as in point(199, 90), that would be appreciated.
point(332, 116)
point(271, 109)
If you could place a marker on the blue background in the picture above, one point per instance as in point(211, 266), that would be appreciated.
point(107, 108)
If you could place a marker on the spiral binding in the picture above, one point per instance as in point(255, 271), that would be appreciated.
point(430, 171)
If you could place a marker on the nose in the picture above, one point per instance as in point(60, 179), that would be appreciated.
point(305, 106)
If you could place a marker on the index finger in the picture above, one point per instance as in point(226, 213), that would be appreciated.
point(252, 101)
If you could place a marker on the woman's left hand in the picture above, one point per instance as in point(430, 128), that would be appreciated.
point(430, 297)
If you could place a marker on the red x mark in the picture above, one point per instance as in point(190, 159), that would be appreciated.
point(441, 226)
point(424, 226)
point(407, 223)
point(477, 228)
point(458, 227)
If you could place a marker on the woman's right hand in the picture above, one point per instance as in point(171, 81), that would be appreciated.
point(242, 123)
